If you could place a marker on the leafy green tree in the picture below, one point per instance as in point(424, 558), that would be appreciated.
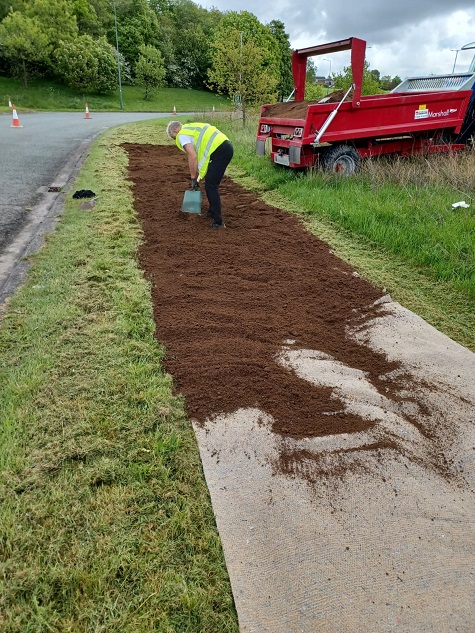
point(88, 65)
point(192, 58)
point(239, 70)
point(137, 25)
point(313, 91)
point(375, 74)
point(286, 82)
point(87, 19)
point(162, 6)
point(387, 83)
point(104, 10)
point(311, 74)
point(250, 28)
point(24, 44)
point(57, 19)
point(8, 6)
point(345, 79)
point(166, 46)
point(188, 29)
point(150, 69)
point(41, 24)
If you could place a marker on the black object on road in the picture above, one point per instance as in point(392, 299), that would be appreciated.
point(84, 193)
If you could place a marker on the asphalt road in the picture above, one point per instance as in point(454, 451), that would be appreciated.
point(42, 154)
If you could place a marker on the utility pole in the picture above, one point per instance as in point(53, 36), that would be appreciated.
point(118, 57)
point(240, 67)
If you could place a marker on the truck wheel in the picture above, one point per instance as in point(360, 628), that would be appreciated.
point(341, 159)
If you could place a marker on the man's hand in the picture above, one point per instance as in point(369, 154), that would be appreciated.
point(194, 184)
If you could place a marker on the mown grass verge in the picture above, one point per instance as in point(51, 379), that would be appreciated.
point(106, 524)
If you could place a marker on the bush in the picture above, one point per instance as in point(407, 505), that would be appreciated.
point(150, 69)
point(87, 65)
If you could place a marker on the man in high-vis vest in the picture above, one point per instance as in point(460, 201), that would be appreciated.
point(209, 152)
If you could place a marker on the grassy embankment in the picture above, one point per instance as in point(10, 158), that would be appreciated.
point(106, 523)
point(49, 95)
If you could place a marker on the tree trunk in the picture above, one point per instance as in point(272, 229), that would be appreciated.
point(24, 74)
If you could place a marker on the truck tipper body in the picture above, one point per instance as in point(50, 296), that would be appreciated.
point(432, 113)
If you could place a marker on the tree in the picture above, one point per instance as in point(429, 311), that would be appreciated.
point(239, 70)
point(375, 74)
point(87, 18)
point(187, 30)
point(387, 83)
point(137, 25)
point(8, 6)
point(286, 81)
point(87, 65)
point(192, 57)
point(24, 44)
point(311, 74)
point(57, 20)
point(150, 69)
point(345, 79)
point(104, 10)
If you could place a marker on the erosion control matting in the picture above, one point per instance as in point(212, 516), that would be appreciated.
point(336, 429)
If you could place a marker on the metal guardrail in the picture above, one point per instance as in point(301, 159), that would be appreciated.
point(434, 83)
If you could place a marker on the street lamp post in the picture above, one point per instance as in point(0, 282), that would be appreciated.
point(118, 57)
point(330, 71)
point(456, 51)
point(330, 62)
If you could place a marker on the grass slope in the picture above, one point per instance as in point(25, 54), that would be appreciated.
point(50, 95)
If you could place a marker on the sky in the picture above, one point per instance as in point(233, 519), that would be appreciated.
point(407, 38)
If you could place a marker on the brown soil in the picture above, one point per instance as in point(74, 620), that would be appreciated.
point(298, 109)
point(226, 301)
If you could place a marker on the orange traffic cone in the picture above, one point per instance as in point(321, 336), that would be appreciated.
point(88, 116)
point(16, 120)
point(174, 110)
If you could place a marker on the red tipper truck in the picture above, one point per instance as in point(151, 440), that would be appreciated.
point(433, 113)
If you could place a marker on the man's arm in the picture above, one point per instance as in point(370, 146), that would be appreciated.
point(192, 159)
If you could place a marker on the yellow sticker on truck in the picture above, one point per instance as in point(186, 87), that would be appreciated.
point(424, 113)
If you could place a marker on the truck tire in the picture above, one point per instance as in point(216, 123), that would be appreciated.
point(341, 159)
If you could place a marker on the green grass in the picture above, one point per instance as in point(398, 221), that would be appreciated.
point(49, 95)
point(105, 523)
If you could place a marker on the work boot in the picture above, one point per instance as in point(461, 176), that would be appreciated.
point(215, 225)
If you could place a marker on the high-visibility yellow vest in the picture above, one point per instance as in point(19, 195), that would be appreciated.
point(206, 138)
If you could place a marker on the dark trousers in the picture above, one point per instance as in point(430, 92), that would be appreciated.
point(219, 160)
